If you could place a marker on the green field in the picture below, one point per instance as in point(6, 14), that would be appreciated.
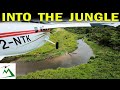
point(105, 65)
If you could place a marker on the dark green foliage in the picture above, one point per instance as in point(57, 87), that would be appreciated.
point(107, 36)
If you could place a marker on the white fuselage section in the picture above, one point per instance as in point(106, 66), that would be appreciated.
point(20, 37)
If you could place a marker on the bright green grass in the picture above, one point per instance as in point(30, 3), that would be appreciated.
point(106, 65)
point(67, 43)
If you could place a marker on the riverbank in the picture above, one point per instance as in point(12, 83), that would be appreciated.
point(81, 55)
point(106, 65)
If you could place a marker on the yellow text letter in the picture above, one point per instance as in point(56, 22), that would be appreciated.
point(58, 17)
point(3, 16)
point(100, 17)
point(105, 17)
point(25, 15)
point(88, 16)
point(41, 16)
point(115, 17)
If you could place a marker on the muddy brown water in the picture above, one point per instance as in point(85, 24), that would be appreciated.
point(81, 55)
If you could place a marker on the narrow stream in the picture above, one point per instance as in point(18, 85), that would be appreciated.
point(81, 55)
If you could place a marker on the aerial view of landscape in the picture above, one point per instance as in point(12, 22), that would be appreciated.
point(83, 53)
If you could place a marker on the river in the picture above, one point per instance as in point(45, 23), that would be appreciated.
point(81, 55)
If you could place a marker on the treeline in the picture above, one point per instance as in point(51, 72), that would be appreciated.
point(105, 35)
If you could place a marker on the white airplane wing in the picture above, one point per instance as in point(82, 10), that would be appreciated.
point(80, 24)
point(67, 24)
point(114, 24)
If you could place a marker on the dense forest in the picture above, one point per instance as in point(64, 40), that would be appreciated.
point(105, 35)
